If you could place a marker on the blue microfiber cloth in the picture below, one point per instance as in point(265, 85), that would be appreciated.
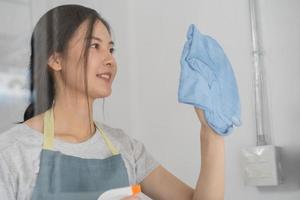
point(207, 81)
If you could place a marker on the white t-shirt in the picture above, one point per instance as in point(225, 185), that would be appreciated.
point(20, 148)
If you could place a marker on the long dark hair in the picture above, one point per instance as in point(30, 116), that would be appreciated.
point(51, 34)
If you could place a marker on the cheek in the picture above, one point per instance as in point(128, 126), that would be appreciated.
point(73, 68)
point(93, 68)
point(73, 73)
point(75, 77)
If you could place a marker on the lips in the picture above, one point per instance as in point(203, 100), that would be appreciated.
point(105, 76)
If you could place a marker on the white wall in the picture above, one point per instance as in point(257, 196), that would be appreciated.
point(149, 38)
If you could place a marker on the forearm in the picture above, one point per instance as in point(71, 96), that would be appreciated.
point(210, 184)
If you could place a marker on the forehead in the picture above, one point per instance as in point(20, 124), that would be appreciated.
point(99, 31)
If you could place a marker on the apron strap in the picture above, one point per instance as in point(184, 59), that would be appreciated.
point(48, 136)
point(112, 148)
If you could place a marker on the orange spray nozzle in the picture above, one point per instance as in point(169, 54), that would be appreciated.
point(136, 189)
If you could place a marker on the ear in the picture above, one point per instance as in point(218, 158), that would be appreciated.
point(55, 61)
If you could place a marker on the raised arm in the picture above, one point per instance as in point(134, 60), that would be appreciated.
point(162, 185)
point(210, 184)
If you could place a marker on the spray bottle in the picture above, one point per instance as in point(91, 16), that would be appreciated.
point(119, 193)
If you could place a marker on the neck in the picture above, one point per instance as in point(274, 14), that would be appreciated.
point(72, 117)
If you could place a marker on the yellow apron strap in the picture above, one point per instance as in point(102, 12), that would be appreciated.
point(49, 133)
point(112, 148)
point(48, 129)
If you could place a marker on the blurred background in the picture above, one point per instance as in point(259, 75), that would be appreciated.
point(149, 37)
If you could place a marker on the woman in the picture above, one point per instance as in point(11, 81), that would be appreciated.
point(59, 151)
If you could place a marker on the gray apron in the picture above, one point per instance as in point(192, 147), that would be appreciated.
point(66, 177)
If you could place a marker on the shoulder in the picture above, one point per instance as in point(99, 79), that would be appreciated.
point(124, 141)
point(8, 137)
point(117, 135)
point(27, 132)
point(19, 144)
point(19, 134)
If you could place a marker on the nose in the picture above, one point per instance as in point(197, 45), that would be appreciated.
point(109, 60)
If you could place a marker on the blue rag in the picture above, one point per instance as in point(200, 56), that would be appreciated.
point(207, 81)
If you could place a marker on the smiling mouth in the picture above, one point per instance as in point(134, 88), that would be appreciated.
point(105, 76)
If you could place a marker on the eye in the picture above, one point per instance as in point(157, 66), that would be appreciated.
point(96, 45)
point(112, 50)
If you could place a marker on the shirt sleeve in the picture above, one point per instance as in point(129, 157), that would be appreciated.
point(145, 163)
point(6, 181)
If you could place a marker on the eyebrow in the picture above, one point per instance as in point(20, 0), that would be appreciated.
point(100, 40)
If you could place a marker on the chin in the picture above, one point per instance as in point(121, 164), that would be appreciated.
point(103, 94)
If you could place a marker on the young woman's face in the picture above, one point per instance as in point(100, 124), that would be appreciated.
point(100, 60)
